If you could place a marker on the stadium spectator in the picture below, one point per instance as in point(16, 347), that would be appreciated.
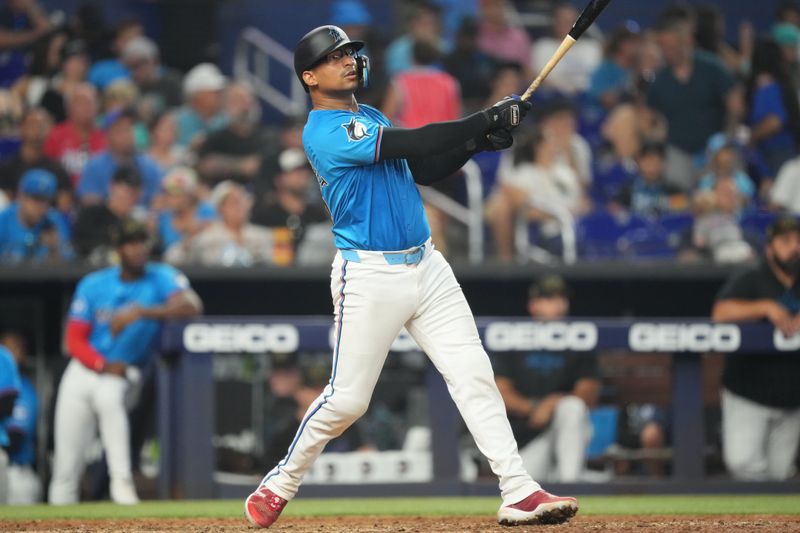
point(77, 139)
point(760, 397)
point(202, 111)
point(695, 92)
point(94, 183)
point(45, 61)
point(716, 233)
point(548, 394)
point(471, 67)
point(110, 68)
point(774, 115)
point(725, 164)
point(120, 95)
point(230, 241)
point(612, 81)
point(558, 120)
point(92, 232)
point(9, 391)
point(789, 12)
point(74, 66)
point(785, 191)
point(159, 86)
point(30, 229)
point(235, 152)
point(184, 214)
point(113, 325)
point(11, 111)
point(615, 164)
point(419, 96)
point(289, 207)
point(710, 37)
point(787, 37)
point(649, 194)
point(34, 129)
point(289, 136)
point(500, 39)
point(22, 23)
point(24, 485)
point(571, 78)
point(424, 25)
point(537, 186)
point(164, 148)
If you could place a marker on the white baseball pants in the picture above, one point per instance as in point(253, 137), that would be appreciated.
point(758, 442)
point(559, 453)
point(88, 401)
point(373, 301)
point(24, 487)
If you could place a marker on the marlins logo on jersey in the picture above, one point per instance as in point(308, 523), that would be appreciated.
point(356, 131)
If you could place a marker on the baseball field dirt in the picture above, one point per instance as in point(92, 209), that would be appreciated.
point(420, 524)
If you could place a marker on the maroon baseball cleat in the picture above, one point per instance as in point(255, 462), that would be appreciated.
point(541, 507)
point(263, 507)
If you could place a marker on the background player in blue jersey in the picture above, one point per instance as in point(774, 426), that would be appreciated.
point(113, 325)
point(9, 391)
point(387, 275)
point(24, 487)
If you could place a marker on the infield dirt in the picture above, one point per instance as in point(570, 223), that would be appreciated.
point(382, 524)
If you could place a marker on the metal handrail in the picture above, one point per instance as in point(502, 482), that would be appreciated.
point(254, 52)
point(470, 215)
point(566, 223)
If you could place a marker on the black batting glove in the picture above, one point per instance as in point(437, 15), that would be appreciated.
point(508, 113)
point(494, 141)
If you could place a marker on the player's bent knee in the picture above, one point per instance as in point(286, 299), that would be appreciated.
point(348, 410)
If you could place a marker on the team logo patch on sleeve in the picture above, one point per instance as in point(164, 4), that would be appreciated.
point(356, 131)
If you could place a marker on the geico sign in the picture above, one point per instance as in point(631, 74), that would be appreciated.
point(555, 336)
point(784, 343)
point(403, 343)
point(650, 337)
point(240, 338)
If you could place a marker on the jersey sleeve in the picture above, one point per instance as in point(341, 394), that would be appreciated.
point(81, 307)
point(170, 281)
point(350, 142)
point(90, 182)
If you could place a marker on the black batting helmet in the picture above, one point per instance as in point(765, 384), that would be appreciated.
point(317, 44)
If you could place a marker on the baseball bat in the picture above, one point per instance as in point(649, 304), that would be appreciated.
point(587, 17)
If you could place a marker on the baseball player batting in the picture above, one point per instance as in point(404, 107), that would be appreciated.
point(114, 322)
point(387, 275)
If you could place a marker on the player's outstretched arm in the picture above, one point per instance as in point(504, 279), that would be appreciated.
point(440, 137)
point(429, 170)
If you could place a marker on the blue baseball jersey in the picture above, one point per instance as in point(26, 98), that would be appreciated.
point(20, 243)
point(100, 295)
point(375, 205)
point(23, 420)
point(9, 385)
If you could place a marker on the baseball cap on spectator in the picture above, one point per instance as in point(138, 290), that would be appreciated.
point(350, 13)
point(292, 159)
point(204, 77)
point(548, 287)
point(782, 225)
point(129, 230)
point(786, 34)
point(180, 180)
point(127, 174)
point(39, 183)
point(114, 116)
point(221, 191)
point(139, 48)
point(75, 47)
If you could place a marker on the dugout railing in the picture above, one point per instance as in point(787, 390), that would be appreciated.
point(187, 409)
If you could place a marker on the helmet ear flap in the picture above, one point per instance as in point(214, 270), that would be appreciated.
point(362, 70)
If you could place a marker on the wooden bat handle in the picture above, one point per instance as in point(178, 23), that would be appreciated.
point(566, 44)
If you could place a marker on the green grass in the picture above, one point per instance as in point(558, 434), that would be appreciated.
point(590, 505)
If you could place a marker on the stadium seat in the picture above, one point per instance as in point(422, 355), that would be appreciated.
point(599, 233)
point(604, 423)
point(754, 225)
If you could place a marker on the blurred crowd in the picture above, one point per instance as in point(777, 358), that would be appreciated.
point(663, 142)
